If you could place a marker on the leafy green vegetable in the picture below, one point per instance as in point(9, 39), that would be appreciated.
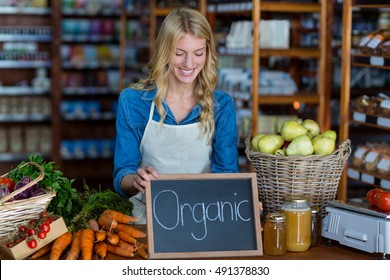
point(95, 202)
point(67, 202)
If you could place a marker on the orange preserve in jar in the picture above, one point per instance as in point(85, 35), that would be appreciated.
point(275, 234)
point(298, 219)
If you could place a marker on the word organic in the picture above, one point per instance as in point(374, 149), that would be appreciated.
point(183, 213)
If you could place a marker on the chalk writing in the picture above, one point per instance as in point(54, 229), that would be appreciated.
point(200, 212)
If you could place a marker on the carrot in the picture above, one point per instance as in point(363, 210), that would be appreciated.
point(126, 237)
point(60, 244)
point(75, 247)
point(100, 235)
point(136, 233)
point(144, 245)
point(112, 238)
point(87, 239)
point(126, 246)
point(141, 251)
point(119, 251)
point(43, 251)
point(101, 249)
point(93, 224)
point(106, 223)
point(120, 217)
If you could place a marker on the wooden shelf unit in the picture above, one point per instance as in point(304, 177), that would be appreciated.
point(322, 54)
point(349, 7)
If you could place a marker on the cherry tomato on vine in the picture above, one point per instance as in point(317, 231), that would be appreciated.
point(43, 214)
point(22, 229)
point(45, 227)
point(41, 235)
point(47, 220)
point(31, 231)
point(32, 243)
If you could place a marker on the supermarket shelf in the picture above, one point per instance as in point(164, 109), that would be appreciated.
point(370, 120)
point(14, 90)
point(370, 178)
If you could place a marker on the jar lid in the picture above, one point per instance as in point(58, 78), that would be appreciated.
point(315, 210)
point(276, 217)
point(296, 198)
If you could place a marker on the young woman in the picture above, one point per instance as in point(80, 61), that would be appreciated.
point(175, 120)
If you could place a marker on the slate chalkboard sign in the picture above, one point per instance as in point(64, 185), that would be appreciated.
point(203, 215)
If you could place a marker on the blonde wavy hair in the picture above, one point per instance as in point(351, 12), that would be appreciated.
point(179, 22)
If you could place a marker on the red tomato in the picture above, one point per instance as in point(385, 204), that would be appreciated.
point(9, 183)
point(41, 234)
point(31, 231)
point(43, 214)
point(45, 227)
point(32, 243)
point(22, 229)
point(371, 195)
point(382, 200)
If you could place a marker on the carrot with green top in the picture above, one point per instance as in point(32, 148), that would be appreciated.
point(75, 247)
point(60, 244)
point(119, 251)
point(136, 233)
point(101, 249)
point(120, 217)
point(87, 239)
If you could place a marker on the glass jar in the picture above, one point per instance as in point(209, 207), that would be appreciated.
point(298, 220)
point(275, 234)
point(316, 227)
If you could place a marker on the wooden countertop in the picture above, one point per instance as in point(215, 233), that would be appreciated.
point(334, 251)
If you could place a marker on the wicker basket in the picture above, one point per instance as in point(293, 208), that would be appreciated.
point(17, 212)
point(314, 176)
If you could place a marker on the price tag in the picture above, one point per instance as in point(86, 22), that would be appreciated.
point(385, 104)
point(352, 173)
point(360, 151)
point(385, 184)
point(384, 163)
point(359, 117)
point(377, 61)
point(385, 122)
point(371, 156)
point(368, 178)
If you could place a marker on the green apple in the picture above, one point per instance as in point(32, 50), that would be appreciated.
point(300, 145)
point(268, 144)
point(255, 141)
point(292, 129)
point(312, 127)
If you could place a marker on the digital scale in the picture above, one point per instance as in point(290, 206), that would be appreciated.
point(358, 225)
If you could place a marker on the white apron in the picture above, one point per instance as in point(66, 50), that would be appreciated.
point(171, 149)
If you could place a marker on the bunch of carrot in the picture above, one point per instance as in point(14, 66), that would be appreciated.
point(111, 232)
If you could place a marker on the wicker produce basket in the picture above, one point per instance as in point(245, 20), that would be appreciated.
point(17, 212)
point(314, 176)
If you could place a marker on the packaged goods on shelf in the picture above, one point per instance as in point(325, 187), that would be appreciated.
point(274, 34)
point(87, 148)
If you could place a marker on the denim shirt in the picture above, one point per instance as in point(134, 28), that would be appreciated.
point(132, 118)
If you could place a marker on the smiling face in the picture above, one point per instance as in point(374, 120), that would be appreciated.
point(188, 59)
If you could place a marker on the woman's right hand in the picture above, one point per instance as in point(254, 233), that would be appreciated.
point(143, 176)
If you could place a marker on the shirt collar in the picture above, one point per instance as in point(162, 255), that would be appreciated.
point(151, 95)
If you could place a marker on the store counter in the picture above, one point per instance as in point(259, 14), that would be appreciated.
point(334, 251)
